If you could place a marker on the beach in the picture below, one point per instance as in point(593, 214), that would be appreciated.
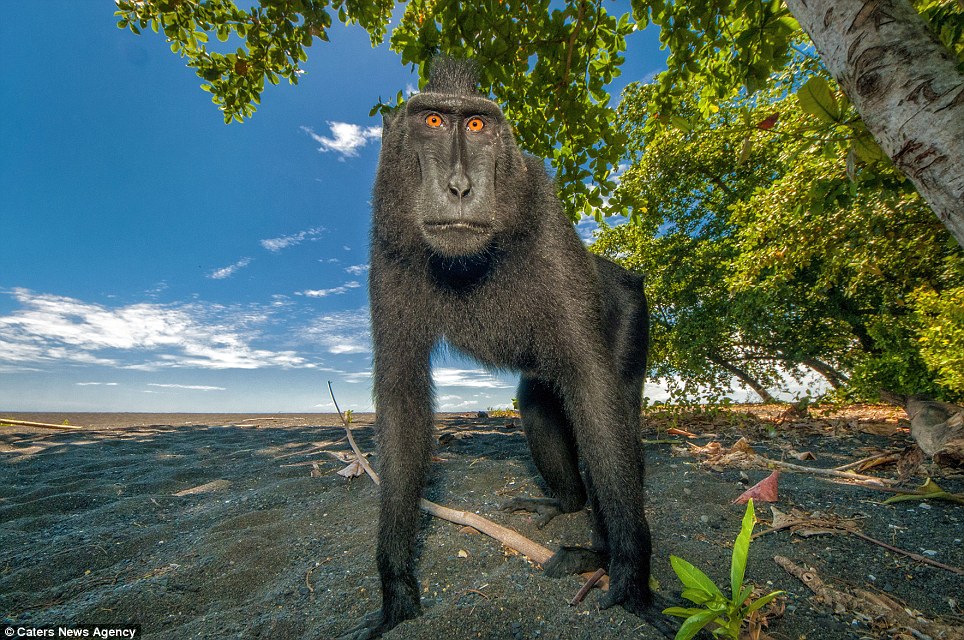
point(239, 526)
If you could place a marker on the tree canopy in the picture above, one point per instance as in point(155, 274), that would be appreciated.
point(768, 250)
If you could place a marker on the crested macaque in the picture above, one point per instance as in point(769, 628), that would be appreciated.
point(470, 244)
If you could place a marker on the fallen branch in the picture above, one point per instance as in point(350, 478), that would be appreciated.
point(818, 471)
point(875, 609)
point(8, 422)
point(532, 550)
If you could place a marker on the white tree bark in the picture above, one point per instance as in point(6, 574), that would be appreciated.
point(906, 87)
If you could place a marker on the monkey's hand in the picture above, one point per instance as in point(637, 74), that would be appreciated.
point(569, 561)
point(545, 508)
point(636, 597)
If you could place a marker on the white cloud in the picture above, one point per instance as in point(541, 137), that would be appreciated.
point(51, 329)
point(225, 272)
point(357, 269)
point(587, 227)
point(283, 242)
point(457, 406)
point(445, 377)
point(191, 387)
point(358, 376)
point(342, 332)
point(346, 138)
point(93, 384)
point(322, 293)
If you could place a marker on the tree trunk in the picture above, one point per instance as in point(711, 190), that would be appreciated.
point(834, 377)
point(745, 378)
point(906, 87)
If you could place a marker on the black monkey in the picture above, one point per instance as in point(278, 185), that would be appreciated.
point(470, 244)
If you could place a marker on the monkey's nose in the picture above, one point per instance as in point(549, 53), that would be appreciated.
point(460, 185)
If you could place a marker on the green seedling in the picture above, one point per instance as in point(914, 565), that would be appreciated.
point(725, 614)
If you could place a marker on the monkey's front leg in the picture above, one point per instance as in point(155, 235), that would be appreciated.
point(403, 423)
point(608, 438)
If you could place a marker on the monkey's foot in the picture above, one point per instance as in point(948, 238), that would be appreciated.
point(545, 508)
point(370, 627)
point(374, 625)
point(642, 602)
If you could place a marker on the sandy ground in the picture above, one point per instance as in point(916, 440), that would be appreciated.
point(237, 526)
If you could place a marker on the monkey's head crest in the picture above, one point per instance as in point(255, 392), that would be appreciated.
point(453, 76)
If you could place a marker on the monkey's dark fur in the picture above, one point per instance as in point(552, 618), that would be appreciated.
point(470, 244)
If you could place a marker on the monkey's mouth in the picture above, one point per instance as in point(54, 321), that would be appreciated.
point(457, 236)
point(459, 225)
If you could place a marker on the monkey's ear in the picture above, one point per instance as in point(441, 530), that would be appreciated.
point(392, 117)
point(387, 120)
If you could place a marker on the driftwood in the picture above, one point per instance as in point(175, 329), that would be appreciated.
point(44, 425)
point(937, 427)
point(876, 609)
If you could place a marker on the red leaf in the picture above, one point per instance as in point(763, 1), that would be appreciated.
point(763, 491)
point(768, 122)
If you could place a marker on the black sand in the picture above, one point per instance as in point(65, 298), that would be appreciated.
point(213, 526)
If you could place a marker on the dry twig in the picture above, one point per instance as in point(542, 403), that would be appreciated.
point(589, 584)
point(827, 525)
point(871, 461)
point(799, 468)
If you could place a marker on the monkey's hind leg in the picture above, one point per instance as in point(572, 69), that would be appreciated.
point(553, 448)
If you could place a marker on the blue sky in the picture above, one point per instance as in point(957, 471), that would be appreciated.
point(153, 258)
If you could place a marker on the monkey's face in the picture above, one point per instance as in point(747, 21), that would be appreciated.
point(458, 140)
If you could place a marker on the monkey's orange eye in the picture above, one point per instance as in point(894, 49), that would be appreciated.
point(475, 124)
point(433, 120)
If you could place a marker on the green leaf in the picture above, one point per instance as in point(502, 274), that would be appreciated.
point(682, 612)
point(692, 625)
point(933, 492)
point(816, 99)
point(867, 148)
point(693, 578)
point(681, 123)
point(698, 596)
point(741, 550)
